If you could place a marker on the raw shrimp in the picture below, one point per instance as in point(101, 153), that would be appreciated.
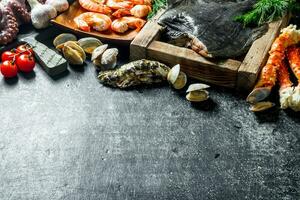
point(293, 54)
point(119, 4)
point(139, 11)
point(95, 6)
point(123, 24)
point(97, 21)
point(267, 80)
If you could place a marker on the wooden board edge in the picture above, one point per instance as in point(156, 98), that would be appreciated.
point(223, 73)
point(257, 56)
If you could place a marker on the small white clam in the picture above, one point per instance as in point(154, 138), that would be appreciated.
point(197, 92)
point(177, 78)
point(261, 106)
point(97, 55)
point(109, 59)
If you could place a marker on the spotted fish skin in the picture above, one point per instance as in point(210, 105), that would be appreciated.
point(212, 23)
point(135, 73)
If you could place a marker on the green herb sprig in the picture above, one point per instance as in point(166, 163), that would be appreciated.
point(265, 11)
point(156, 6)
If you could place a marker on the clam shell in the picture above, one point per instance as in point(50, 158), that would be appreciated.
point(97, 53)
point(197, 96)
point(173, 74)
point(262, 106)
point(180, 82)
point(61, 46)
point(109, 59)
point(89, 44)
point(64, 37)
point(197, 86)
point(73, 53)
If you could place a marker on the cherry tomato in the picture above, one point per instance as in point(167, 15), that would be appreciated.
point(25, 63)
point(25, 49)
point(9, 69)
point(8, 55)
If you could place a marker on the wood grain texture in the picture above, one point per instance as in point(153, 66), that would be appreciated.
point(258, 56)
point(221, 72)
point(227, 73)
point(66, 22)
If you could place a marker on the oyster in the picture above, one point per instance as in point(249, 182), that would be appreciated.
point(73, 53)
point(89, 44)
point(135, 73)
point(177, 78)
point(97, 55)
point(261, 106)
point(197, 92)
point(109, 59)
point(62, 38)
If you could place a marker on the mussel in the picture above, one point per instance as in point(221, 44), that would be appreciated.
point(89, 44)
point(177, 78)
point(197, 92)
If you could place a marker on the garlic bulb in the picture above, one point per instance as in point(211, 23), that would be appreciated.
point(59, 5)
point(41, 14)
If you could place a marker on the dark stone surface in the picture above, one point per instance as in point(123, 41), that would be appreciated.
point(70, 138)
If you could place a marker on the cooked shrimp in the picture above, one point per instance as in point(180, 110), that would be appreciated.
point(141, 2)
point(119, 4)
point(97, 21)
point(123, 24)
point(95, 6)
point(267, 80)
point(140, 10)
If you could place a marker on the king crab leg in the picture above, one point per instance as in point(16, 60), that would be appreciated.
point(286, 86)
point(267, 80)
point(293, 54)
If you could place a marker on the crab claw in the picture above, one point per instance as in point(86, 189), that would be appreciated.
point(258, 94)
point(285, 97)
point(295, 100)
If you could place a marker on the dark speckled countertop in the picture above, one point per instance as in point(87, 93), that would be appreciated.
point(70, 138)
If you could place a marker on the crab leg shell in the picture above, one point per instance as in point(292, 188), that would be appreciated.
point(286, 86)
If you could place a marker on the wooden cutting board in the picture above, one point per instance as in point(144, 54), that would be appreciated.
point(66, 21)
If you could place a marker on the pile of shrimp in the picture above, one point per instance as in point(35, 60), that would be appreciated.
point(116, 15)
point(284, 54)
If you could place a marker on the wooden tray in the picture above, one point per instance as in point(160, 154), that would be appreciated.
point(66, 21)
point(229, 73)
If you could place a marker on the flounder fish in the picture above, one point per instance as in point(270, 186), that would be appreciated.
point(209, 26)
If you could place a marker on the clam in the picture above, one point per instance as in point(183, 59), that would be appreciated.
point(73, 53)
point(64, 37)
point(109, 59)
point(97, 55)
point(177, 78)
point(197, 92)
point(261, 106)
point(89, 44)
point(61, 46)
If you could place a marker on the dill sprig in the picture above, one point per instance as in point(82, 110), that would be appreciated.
point(265, 11)
point(156, 6)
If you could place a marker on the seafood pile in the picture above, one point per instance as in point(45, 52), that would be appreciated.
point(208, 27)
point(147, 72)
point(116, 15)
point(283, 54)
point(76, 51)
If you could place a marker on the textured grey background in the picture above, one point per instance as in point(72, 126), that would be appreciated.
point(71, 138)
